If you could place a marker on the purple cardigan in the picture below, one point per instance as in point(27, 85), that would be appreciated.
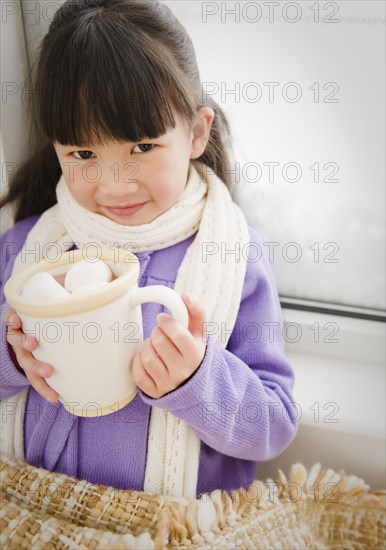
point(238, 402)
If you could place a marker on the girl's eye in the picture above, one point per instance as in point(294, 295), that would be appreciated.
point(84, 155)
point(144, 147)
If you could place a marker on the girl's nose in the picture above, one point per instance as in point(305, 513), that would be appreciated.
point(114, 184)
point(118, 188)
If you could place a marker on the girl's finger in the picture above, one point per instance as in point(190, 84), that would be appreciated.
point(30, 365)
point(11, 319)
point(34, 371)
point(181, 338)
point(165, 348)
point(153, 363)
point(142, 378)
point(17, 339)
point(43, 389)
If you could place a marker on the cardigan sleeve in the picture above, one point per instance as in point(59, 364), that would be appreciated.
point(239, 401)
point(12, 377)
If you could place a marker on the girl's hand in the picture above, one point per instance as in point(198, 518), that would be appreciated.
point(22, 346)
point(172, 353)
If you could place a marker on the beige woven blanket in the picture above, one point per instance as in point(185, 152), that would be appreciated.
point(317, 508)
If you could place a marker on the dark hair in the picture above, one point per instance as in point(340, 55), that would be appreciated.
point(110, 69)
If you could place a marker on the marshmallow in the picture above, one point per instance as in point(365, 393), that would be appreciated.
point(89, 288)
point(42, 286)
point(86, 273)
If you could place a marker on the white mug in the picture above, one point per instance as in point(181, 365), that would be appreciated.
point(90, 338)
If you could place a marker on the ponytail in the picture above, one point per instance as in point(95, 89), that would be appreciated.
point(216, 154)
point(32, 188)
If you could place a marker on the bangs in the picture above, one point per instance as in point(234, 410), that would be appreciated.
point(97, 89)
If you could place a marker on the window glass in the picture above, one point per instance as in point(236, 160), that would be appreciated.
point(303, 86)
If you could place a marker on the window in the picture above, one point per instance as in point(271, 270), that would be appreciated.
point(303, 86)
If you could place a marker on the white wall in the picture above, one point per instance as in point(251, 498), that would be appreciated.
point(13, 69)
point(339, 365)
point(343, 132)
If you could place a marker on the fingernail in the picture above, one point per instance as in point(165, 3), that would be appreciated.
point(42, 372)
point(13, 319)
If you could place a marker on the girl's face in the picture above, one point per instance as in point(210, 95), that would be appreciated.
point(133, 183)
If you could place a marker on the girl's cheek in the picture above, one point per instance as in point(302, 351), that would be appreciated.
point(71, 171)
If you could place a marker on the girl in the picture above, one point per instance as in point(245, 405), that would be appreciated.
point(131, 156)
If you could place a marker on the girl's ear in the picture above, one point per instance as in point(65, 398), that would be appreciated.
point(201, 131)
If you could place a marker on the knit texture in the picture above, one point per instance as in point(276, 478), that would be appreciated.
point(68, 223)
point(173, 448)
point(228, 401)
point(314, 509)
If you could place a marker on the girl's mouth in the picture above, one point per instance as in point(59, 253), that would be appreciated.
point(125, 210)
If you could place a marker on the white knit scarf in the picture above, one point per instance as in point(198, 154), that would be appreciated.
point(213, 277)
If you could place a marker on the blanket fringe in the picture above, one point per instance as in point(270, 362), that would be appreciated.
point(43, 509)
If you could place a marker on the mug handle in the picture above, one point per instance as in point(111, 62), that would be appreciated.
point(162, 295)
